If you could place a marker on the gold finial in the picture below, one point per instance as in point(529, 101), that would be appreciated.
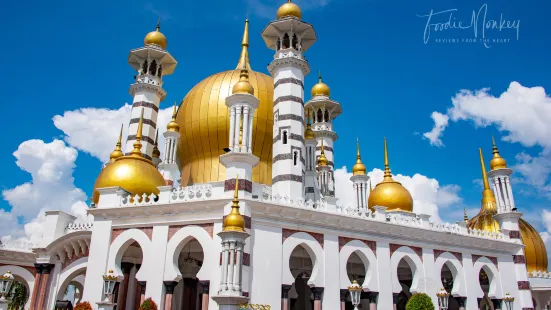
point(173, 125)
point(118, 150)
point(243, 86)
point(156, 153)
point(319, 76)
point(322, 160)
point(388, 174)
point(156, 37)
point(137, 151)
point(359, 167)
point(244, 57)
point(488, 198)
point(158, 24)
point(497, 161)
point(465, 217)
point(235, 221)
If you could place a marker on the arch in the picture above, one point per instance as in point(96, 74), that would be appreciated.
point(448, 259)
point(121, 244)
point(320, 116)
point(177, 243)
point(315, 251)
point(368, 258)
point(67, 239)
point(495, 290)
point(69, 273)
point(25, 275)
point(415, 264)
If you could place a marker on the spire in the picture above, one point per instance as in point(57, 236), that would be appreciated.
point(156, 153)
point(158, 28)
point(388, 174)
point(359, 167)
point(244, 58)
point(173, 125)
point(137, 151)
point(319, 76)
point(465, 217)
point(497, 161)
point(488, 198)
point(322, 160)
point(235, 221)
point(118, 150)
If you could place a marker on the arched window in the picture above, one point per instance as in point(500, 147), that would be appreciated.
point(320, 116)
point(278, 47)
point(144, 67)
point(284, 137)
point(295, 157)
point(295, 42)
point(160, 71)
point(326, 116)
point(286, 41)
point(153, 67)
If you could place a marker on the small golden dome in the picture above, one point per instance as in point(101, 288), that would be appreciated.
point(243, 86)
point(322, 160)
point(309, 134)
point(359, 167)
point(497, 162)
point(173, 124)
point(389, 193)
point(320, 89)
point(156, 37)
point(117, 152)
point(289, 9)
point(235, 221)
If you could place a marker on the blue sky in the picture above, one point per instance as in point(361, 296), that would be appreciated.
point(63, 56)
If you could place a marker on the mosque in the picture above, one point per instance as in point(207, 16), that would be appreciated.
point(238, 207)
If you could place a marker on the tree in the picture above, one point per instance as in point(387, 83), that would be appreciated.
point(18, 296)
point(148, 304)
point(420, 301)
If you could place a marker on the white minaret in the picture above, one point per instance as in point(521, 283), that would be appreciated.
point(324, 173)
point(359, 180)
point(501, 182)
point(290, 38)
point(325, 110)
point(311, 187)
point(169, 167)
point(152, 62)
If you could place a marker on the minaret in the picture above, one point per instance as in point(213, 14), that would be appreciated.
point(501, 182)
point(152, 62)
point(325, 111)
point(168, 167)
point(359, 180)
point(311, 189)
point(323, 173)
point(239, 159)
point(290, 37)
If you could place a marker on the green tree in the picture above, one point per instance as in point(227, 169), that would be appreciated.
point(18, 296)
point(420, 301)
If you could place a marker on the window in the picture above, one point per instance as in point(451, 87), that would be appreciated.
point(295, 157)
point(284, 137)
point(320, 116)
point(286, 41)
point(326, 116)
point(144, 67)
point(160, 71)
point(153, 67)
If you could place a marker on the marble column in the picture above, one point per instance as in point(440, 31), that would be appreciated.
point(461, 301)
point(285, 296)
point(317, 292)
point(123, 287)
point(169, 293)
point(205, 296)
point(44, 286)
point(36, 286)
point(372, 296)
point(343, 298)
point(143, 286)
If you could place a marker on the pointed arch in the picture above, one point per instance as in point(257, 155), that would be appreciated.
point(68, 274)
point(21, 273)
point(448, 259)
point(314, 250)
point(368, 258)
point(495, 290)
point(415, 264)
point(121, 244)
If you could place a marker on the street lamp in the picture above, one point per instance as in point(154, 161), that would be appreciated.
point(508, 299)
point(443, 296)
point(109, 281)
point(6, 281)
point(355, 293)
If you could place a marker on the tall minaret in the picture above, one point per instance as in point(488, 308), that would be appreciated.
point(168, 167)
point(501, 182)
point(359, 180)
point(323, 173)
point(290, 37)
point(325, 110)
point(311, 188)
point(152, 62)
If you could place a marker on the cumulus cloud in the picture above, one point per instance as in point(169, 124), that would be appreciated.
point(428, 195)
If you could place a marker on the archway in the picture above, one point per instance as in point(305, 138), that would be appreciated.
point(405, 277)
point(187, 293)
point(448, 280)
point(25, 279)
point(130, 293)
point(301, 266)
point(71, 281)
point(356, 270)
point(485, 303)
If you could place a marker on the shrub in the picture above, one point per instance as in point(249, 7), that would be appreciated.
point(83, 306)
point(420, 301)
point(148, 304)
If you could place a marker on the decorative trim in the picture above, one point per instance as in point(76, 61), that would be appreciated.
point(47, 268)
point(492, 259)
point(115, 232)
point(523, 285)
point(288, 98)
point(246, 259)
point(144, 138)
point(73, 258)
point(145, 121)
point(208, 227)
point(244, 185)
point(317, 291)
point(457, 255)
point(289, 232)
point(145, 104)
point(170, 285)
point(143, 155)
point(519, 259)
point(370, 244)
point(287, 156)
point(417, 250)
point(287, 177)
point(514, 234)
point(206, 286)
point(294, 117)
point(289, 81)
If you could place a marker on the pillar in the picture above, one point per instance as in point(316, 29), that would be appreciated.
point(131, 291)
point(343, 298)
point(169, 293)
point(318, 292)
point(205, 297)
point(285, 296)
point(123, 287)
point(44, 285)
point(36, 286)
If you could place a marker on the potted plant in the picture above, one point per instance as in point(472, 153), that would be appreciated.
point(420, 301)
point(148, 304)
point(83, 306)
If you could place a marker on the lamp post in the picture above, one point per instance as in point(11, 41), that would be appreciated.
point(6, 280)
point(355, 293)
point(508, 300)
point(109, 281)
point(443, 297)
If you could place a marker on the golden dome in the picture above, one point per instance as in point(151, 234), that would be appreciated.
point(320, 89)
point(133, 173)
point(359, 167)
point(309, 134)
point(156, 37)
point(234, 221)
point(322, 160)
point(389, 193)
point(534, 247)
point(289, 9)
point(173, 124)
point(117, 152)
point(497, 162)
point(205, 124)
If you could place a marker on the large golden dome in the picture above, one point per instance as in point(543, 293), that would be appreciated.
point(389, 193)
point(204, 124)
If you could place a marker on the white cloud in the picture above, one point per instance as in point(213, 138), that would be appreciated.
point(428, 195)
point(440, 124)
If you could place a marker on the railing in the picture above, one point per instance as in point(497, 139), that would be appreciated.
point(76, 226)
point(539, 274)
point(179, 194)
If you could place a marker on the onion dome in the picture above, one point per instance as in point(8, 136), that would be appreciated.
point(156, 37)
point(309, 134)
point(133, 173)
point(173, 125)
point(289, 9)
point(389, 193)
point(243, 86)
point(156, 153)
point(320, 89)
point(322, 160)
point(235, 221)
point(484, 220)
point(359, 167)
point(497, 162)
point(118, 151)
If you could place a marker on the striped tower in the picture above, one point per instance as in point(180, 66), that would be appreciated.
point(290, 38)
point(152, 62)
point(500, 177)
